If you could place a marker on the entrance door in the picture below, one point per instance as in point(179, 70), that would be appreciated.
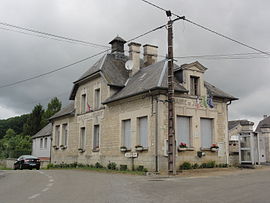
point(262, 154)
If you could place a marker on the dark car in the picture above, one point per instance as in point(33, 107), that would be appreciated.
point(27, 162)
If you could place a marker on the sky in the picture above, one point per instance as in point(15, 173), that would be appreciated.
point(244, 75)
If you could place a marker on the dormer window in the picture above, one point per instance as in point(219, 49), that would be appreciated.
point(83, 103)
point(194, 85)
point(97, 98)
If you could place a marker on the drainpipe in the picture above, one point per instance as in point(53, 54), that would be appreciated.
point(156, 136)
point(227, 148)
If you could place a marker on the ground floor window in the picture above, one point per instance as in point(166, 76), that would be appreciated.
point(126, 136)
point(183, 134)
point(206, 132)
point(82, 138)
point(96, 137)
point(143, 131)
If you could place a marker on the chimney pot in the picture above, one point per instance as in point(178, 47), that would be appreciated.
point(265, 116)
point(134, 55)
point(150, 54)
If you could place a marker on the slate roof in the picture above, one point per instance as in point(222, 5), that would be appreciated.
point(112, 68)
point(232, 124)
point(67, 110)
point(265, 123)
point(46, 131)
point(148, 78)
point(215, 92)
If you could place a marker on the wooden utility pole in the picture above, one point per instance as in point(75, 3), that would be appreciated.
point(171, 118)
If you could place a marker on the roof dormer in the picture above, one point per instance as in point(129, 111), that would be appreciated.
point(193, 78)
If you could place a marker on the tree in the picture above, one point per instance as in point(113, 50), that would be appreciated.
point(13, 146)
point(35, 122)
point(53, 107)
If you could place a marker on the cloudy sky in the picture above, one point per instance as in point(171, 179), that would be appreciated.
point(241, 72)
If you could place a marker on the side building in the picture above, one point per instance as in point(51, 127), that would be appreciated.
point(117, 110)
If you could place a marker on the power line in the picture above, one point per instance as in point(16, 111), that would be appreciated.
point(53, 71)
point(208, 29)
point(79, 61)
point(52, 35)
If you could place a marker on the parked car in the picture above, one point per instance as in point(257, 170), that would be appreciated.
point(27, 162)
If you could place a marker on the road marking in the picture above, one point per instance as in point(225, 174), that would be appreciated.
point(45, 189)
point(49, 185)
point(34, 196)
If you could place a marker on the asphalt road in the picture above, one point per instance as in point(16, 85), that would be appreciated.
point(64, 186)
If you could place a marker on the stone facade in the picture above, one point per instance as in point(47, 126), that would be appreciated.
point(151, 105)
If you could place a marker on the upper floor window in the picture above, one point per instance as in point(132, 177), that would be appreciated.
point(64, 134)
point(143, 132)
point(194, 85)
point(126, 127)
point(83, 103)
point(97, 98)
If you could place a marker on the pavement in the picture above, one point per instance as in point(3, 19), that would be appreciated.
point(64, 186)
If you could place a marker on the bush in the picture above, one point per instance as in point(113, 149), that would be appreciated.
point(209, 164)
point(112, 166)
point(186, 166)
point(140, 168)
point(123, 167)
point(73, 165)
point(195, 166)
point(50, 165)
point(98, 165)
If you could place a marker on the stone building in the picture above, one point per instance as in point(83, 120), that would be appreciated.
point(263, 130)
point(117, 110)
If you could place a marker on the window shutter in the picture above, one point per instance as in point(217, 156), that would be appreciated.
point(127, 133)
point(183, 130)
point(143, 131)
point(206, 132)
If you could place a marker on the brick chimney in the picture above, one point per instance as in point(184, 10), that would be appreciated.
point(149, 54)
point(117, 45)
point(134, 55)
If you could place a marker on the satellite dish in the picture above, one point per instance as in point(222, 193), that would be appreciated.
point(129, 65)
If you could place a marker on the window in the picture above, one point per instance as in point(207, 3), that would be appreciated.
point(83, 103)
point(183, 130)
point(97, 98)
point(194, 85)
point(57, 135)
point(45, 143)
point(96, 137)
point(127, 133)
point(64, 134)
point(143, 137)
point(82, 138)
point(41, 143)
point(206, 132)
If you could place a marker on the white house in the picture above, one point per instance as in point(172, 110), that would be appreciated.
point(41, 145)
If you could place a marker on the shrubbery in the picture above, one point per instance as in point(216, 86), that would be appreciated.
point(209, 164)
point(110, 166)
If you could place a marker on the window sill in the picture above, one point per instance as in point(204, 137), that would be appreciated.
point(95, 150)
point(181, 149)
point(209, 149)
point(140, 149)
point(63, 147)
point(56, 147)
point(81, 150)
point(91, 111)
point(125, 150)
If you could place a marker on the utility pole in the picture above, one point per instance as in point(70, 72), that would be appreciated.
point(171, 117)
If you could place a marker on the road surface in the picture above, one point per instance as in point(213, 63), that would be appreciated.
point(64, 186)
